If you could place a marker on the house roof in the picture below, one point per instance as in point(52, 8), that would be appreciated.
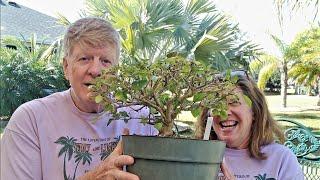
point(21, 21)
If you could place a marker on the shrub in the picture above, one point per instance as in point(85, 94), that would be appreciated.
point(30, 71)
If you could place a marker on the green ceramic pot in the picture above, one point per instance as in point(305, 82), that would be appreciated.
point(165, 158)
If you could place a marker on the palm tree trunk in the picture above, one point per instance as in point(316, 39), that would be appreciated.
point(318, 90)
point(64, 167)
point(284, 83)
point(318, 86)
point(74, 174)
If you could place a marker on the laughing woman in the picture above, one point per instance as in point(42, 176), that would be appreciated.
point(251, 133)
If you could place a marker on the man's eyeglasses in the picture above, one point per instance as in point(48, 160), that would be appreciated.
point(240, 72)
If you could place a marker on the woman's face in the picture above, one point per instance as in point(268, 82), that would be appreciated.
point(236, 129)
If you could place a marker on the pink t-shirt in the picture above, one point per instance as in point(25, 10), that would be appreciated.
point(50, 138)
point(281, 164)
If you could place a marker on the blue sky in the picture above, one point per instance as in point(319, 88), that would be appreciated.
point(255, 17)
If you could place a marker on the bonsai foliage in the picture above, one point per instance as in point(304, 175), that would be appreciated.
point(167, 87)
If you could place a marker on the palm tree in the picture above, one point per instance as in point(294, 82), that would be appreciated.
point(154, 29)
point(305, 54)
point(284, 49)
point(67, 149)
point(267, 65)
point(85, 157)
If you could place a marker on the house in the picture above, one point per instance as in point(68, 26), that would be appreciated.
point(22, 22)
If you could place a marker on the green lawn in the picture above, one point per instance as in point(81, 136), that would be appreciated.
point(300, 108)
point(294, 103)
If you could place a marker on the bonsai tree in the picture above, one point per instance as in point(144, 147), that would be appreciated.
point(167, 87)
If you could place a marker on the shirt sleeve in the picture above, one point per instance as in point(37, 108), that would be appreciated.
point(291, 168)
point(20, 152)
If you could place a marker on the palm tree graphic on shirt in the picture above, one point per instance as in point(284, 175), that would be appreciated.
point(263, 177)
point(85, 157)
point(68, 149)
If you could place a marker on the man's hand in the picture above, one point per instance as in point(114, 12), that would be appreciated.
point(111, 167)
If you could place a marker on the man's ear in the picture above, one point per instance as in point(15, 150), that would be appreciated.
point(65, 68)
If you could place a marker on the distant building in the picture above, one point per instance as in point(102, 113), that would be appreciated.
point(20, 21)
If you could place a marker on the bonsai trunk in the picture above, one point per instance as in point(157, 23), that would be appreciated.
point(166, 130)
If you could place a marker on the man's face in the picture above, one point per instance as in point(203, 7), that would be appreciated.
point(82, 66)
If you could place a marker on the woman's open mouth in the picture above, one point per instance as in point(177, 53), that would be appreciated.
point(228, 124)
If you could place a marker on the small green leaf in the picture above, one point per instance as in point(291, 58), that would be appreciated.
point(120, 95)
point(98, 99)
point(223, 115)
point(186, 69)
point(247, 100)
point(139, 84)
point(228, 74)
point(158, 126)
point(196, 112)
point(153, 110)
point(234, 79)
point(109, 108)
point(164, 98)
point(172, 86)
point(199, 97)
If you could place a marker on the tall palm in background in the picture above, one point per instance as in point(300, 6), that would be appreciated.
point(284, 49)
point(155, 29)
point(267, 65)
point(306, 58)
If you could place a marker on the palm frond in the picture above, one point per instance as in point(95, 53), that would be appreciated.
point(294, 6)
point(282, 46)
point(153, 29)
point(63, 20)
point(265, 74)
point(197, 7)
